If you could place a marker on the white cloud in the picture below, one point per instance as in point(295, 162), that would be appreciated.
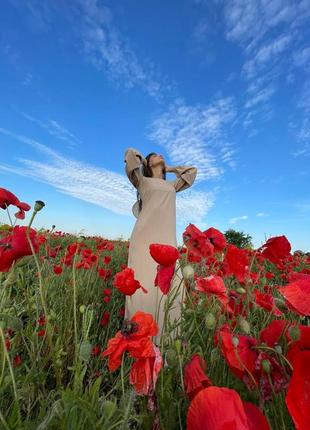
point(55, 130)
point(261, 214)
point(268, 52)
point(265, 29)
point(107, 50)
point(98, 186)
point(262, 95)
point(237, 218)
point(301, 58)
point(197, 135)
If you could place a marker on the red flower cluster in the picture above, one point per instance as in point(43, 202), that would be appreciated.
point(202, 244)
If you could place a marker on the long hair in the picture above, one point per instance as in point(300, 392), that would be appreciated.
point(147, 171)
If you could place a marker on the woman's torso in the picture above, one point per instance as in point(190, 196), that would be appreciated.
point(157, 220)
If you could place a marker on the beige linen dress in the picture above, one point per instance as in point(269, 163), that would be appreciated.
point(156, 223)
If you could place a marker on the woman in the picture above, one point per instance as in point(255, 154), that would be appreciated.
point(155, 210)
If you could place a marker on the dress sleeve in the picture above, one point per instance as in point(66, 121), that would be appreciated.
point(185, 177)
point(134, 160)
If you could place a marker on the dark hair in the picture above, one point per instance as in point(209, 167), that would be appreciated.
point(147, 171)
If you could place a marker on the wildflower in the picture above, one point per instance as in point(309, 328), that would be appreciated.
point(195, 378)
point(124, 281)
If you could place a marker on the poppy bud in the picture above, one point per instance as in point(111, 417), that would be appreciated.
point(241, 290)
point(38, 205)
point(82, 309)
point(266, 366)
point(210, 321)
point(235, 341)
point(178, 345)
point(294, 333)
point(171, 357)
point(278, 348)
point(214, 355)
point(188, 271)
point(108, 409)
point(245, 326)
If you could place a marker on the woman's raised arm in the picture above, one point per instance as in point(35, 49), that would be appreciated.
point(186, 176)
point(134, 159)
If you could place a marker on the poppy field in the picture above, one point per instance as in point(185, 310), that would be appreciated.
point(239, 357)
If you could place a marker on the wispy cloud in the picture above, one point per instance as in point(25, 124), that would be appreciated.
point(237, 218)
point(301, 57)
point(55, 129)
point(111, 52)
point(265, 31)
point(98, 186)
point(197, 135)
point(38, 13)
point(101, 42)
point(266, 53)
point(262, 214)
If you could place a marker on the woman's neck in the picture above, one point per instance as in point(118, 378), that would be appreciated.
point(158, 172)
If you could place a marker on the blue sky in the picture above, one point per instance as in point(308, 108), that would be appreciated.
point(221, 85)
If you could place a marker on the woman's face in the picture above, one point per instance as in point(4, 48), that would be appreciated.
point(156, 159)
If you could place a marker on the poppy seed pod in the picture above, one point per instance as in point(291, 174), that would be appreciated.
point(188, 271)
point(210, 321)
point(245, 326)
point(38, 205)
point(294, 333)
point(235, 341)
point(266, 366)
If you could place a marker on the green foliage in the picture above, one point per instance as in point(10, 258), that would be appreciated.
point(238, 238)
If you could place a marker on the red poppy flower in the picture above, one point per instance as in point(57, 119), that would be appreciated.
point(236, 262)
point(134, 337)
point(295, 276)
point(221, 408)
point(217, 238)
point(198, 244)
point(298, 398)
point(266, 301)
point(105, 319)
point(297, 295)
point(144, 373)
point(17, 361)
point(16, 245)
point(241, 358)
point(57, 269)
point(302, 344)
point(273, 332)
point(276, 249)
point(7, 198)
point(195, 378)
point(256, 419)
point(164, 275)
point(95, 350)
point(124, 281)
point(107, 259)
point(165, 255)
point(213, 284)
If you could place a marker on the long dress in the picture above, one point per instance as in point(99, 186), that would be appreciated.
point(156, 223)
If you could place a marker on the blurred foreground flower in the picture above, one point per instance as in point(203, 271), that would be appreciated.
point(15, 245)
point(7, 198)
